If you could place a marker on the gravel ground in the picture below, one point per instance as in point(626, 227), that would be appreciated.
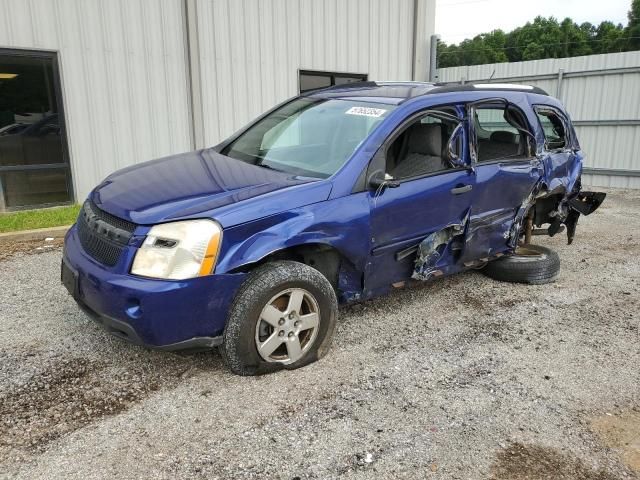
point(461, 378)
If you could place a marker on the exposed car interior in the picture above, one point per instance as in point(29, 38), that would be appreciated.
point(500, 144)
point(420, 148)
point(554, 130)
point(498, 134)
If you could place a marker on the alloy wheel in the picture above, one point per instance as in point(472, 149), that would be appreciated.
point(288, 326)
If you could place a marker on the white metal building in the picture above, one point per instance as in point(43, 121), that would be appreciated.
point(127, 81)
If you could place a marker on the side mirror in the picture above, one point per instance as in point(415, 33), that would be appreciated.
point(378, 180)
point(453, 158)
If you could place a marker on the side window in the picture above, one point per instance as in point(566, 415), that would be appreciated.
point(555, 133)
point(498, 135)
point(421, 148)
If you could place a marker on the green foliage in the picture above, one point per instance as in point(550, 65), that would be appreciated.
point(544, 38)
point(632, 33)
point(30, 219)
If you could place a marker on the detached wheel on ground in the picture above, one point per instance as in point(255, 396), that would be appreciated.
point(532, 264)
point(283, 317)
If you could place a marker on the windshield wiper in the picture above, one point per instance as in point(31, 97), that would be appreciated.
point(265, 165)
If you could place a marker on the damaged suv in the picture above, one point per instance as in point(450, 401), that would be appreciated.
point(334, 196)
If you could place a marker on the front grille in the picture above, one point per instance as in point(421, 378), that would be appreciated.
point(102, 235)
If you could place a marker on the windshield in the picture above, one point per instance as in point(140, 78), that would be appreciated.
point(308, 136)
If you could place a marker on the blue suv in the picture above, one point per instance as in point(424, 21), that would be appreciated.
point(337, 195)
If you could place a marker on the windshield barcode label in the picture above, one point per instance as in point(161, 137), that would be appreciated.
point(366, 111)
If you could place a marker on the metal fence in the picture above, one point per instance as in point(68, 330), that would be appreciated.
point(602, 95)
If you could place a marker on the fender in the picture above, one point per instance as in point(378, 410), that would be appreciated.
point(250, 243)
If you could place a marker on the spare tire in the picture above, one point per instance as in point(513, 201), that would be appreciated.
point(532, 264)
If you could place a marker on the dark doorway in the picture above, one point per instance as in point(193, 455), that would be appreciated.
point(34, 166)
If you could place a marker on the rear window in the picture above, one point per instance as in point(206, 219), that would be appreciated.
point(554, 127)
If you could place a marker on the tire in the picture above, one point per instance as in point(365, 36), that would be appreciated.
point(255, 323)
point(532, 264)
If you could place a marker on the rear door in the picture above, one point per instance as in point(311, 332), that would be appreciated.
point(506, 172)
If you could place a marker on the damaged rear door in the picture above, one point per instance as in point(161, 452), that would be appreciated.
point(421, 186)
point(507, 170)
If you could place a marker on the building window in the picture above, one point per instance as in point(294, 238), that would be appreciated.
point(313, 80)
point(34, 170)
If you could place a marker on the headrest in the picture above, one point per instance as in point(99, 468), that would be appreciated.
point(426, 139)
point(504, 137)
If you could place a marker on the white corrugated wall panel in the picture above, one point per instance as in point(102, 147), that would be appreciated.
point(123, 71)
point(595, 97)
point(251, 50)
point(540, 67)
point(612, 181)
point(615, 147)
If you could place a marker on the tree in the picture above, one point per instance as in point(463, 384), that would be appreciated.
point(544, 38)
point(608, 38)
point(533, 51)
point(633, 28)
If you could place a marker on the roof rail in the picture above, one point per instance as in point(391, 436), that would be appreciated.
point(466, 87)
point(364, 83)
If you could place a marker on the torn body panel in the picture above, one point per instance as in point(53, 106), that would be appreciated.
point(430, 260)
point(556, 199)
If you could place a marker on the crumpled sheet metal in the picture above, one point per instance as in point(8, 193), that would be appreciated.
point(432, 247)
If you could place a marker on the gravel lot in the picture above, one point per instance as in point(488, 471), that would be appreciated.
point(462, 378)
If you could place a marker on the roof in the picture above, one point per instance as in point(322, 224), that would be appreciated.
point(395, 93)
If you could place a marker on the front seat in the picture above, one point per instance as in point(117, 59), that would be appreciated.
point(424, 151)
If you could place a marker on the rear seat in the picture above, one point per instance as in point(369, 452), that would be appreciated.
point(501, 144)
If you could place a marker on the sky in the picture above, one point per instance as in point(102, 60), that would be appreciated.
point(460, 19)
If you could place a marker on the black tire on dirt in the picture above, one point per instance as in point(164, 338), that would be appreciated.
point(532, 264)
point(240, 339)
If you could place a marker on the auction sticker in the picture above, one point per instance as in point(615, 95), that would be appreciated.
point(366, 111)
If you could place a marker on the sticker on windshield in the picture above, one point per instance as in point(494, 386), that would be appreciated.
point(366, 111)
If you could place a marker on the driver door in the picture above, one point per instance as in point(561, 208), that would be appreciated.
point(422, 193)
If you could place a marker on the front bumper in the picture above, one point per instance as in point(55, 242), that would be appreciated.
point(160, 314)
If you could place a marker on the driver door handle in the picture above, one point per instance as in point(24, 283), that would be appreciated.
point(461, 189)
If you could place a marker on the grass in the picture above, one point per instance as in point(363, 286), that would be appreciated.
point(30, 219)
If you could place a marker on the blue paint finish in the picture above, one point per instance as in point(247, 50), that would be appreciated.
point(168, 311)
point(264, 211)
point(341, 223)
point(193, 185)
point(501, 188)
point(402, 217)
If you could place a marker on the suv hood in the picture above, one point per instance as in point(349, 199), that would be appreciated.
point(193, 184)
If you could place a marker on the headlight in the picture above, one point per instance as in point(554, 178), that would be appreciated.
point(179, 250)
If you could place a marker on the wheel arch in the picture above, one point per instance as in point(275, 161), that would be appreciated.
point(329, 260)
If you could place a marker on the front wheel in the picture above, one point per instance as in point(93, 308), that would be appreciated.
point(283, 317)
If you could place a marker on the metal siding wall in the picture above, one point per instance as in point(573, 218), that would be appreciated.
point(594, 97)
point(251, 50)
point(124, 84)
